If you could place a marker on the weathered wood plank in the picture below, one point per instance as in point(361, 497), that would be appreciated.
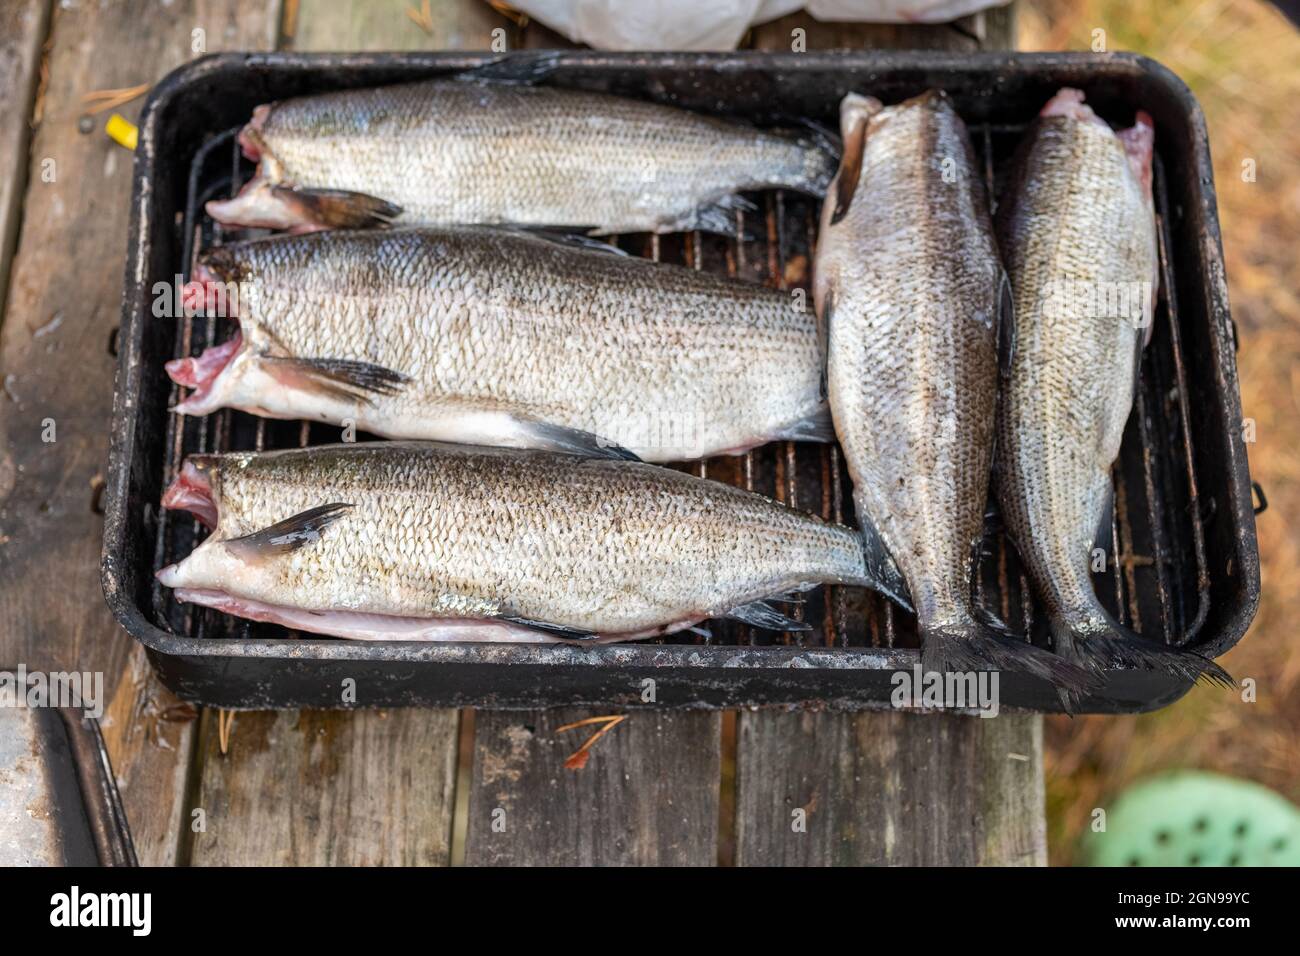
point(386, 25)
point(894, 788)
point(308, 788)
point(62, 304)
point(344, 786)
point(23, 26)
point(648, 795)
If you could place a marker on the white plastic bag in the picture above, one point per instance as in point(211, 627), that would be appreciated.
point(897, 11)
point(646, 24)
point(717, 24)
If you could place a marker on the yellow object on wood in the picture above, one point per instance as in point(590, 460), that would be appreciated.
point(122, 131)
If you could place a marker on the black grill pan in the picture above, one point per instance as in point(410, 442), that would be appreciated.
point(1184, 530)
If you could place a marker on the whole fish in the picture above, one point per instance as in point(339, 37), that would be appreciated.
point(464, 151)
point(506, 338)
point(433, 542)
point(911, 292)
point(1077, 230)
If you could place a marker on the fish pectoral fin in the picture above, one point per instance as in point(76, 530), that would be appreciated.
point(761, 614)
point(855, 114)
point(340, 378)
point(562, 631)
point(283, 537)
point(338, 208)
point(547, 436)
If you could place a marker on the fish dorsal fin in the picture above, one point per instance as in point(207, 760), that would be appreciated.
point(517, 69)
point(1006, 320)
point(855, 114)
point(283, 537)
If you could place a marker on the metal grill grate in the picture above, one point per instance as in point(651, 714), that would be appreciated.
point(1159, 584)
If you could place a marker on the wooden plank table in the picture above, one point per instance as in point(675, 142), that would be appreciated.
point(396, 786)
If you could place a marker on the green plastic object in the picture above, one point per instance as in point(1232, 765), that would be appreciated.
point(1191, 818)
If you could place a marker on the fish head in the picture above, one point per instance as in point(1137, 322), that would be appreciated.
point(251, 140)
point(216, 376)
point(856, 112)
point(213, 566)
point(193, 490)
point(261, 204)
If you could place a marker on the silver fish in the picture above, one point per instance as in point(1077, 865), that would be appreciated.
point(1077, 231)
point(461, 151)
point(506, 338)
point(911, 292)
point(434, 542)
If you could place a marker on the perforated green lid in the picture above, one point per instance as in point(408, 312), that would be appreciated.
point(1191, 818)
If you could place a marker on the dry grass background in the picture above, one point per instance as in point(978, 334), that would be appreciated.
point(1242, 60)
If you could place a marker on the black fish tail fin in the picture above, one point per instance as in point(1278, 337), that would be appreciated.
point(969, 645)
point(1099, 643)
point(824, 151)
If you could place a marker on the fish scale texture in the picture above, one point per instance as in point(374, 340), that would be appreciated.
point(451, 531)
point(1076, 214)
point(668, 362)
point(466, 152)
point(910, 276)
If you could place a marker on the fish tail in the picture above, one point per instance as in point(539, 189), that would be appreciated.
point(965, 645)
point(1100, 643)
point(822, 159)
